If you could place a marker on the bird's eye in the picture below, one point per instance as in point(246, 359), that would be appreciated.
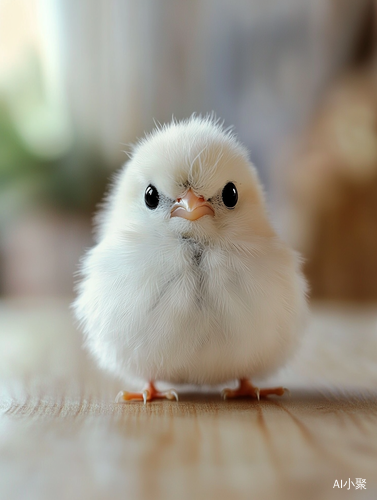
point(151, 197)
point(230, 195)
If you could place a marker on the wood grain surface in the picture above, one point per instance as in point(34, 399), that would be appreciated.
point(63, 437)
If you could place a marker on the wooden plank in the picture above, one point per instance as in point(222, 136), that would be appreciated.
point(63, 437)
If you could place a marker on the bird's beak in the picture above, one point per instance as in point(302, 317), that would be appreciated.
point(191, 207)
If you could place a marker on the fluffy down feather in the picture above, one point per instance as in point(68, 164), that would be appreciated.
point(202, 302)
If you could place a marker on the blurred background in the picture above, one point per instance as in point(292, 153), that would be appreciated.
point(81, 80)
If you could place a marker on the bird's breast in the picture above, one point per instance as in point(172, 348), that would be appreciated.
point(184, 279)
point(192, 249)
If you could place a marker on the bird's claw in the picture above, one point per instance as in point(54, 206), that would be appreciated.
point(170, 395)
point(257, 393)
point(247, 389)
point(146, 395)
point(119, 397)
point(229, 393)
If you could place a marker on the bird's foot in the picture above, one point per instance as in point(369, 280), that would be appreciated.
point(247, 389)
point(149, 394)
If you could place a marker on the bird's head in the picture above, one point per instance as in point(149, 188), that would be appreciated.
point(191, 179)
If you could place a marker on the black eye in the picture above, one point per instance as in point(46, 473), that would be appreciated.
point(230, 195)
point(151, 197)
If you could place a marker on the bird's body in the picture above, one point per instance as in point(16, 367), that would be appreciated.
point(200, 299)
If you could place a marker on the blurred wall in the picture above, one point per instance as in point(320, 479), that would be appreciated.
point(329, 177)
point(259, 65)
point(81, 80)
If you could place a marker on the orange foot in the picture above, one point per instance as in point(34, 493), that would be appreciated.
point(148, 394)
point(246, 389)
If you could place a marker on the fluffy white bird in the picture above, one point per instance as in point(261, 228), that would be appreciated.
point(188, 281)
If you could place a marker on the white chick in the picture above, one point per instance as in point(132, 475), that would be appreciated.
point(188, 281)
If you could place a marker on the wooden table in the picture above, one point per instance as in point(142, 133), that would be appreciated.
point(63, 437)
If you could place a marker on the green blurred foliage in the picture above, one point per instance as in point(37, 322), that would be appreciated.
point(73, 181)
point(69, 178)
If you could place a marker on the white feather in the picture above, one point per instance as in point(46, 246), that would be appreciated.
point(198, 302)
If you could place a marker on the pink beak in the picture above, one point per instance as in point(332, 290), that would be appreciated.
point(191, 207)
